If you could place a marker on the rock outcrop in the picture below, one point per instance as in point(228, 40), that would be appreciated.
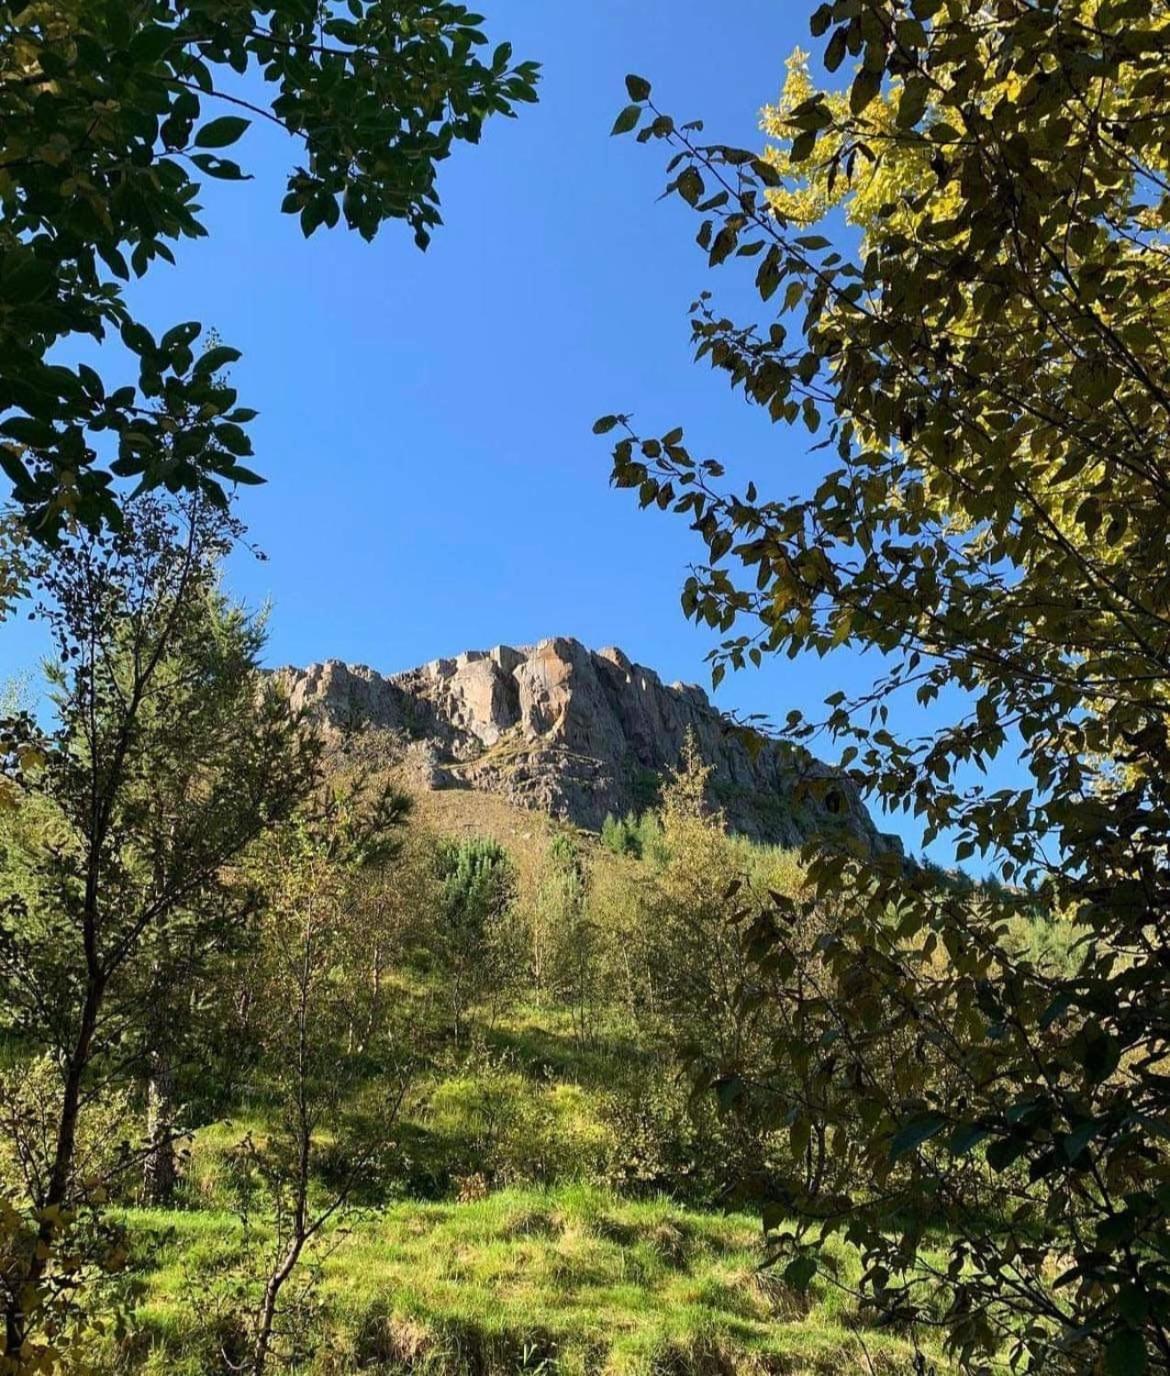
point(576, 733)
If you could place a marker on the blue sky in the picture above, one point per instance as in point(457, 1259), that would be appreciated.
point(425, 418)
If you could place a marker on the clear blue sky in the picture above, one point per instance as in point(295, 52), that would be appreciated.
point(425, 419)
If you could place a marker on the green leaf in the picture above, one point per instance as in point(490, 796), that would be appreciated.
point(766, 172)
point(800, 1271)
point(238, 474)
point(912, 103)
point(179, 335)
point(803, 145)
point(638, 87)
point(221, 132)
point(865, 87)
point(1133, 1305)
point(1126, 1354)
point(37, 434)
point(690, 185)
point(1080, 1137)
point(14, 469)
point(627, 120)
point(215, 359)
point(1001, 1154)
point(27, 279)
point(222, 168)
point(233, 439)
point(137, 338)
point(1098, 1052)
point(149, 44)
point(821, 19)
point(604, 425)
point(914, 1132)
point(966, 1137)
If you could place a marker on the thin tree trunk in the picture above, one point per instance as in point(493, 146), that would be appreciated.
point(159, 1172)
point(16, 1319)
point(267, 1316)
point(300, 1225)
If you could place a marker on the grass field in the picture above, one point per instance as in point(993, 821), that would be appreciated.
point(571, 1280)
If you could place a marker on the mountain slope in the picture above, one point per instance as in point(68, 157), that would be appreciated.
point(577, 734)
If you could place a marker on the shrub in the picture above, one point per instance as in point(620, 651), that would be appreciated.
point(490, 1121)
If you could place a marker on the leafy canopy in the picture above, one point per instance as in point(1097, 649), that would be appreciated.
point(985, 376)
point(110, 116)
point(121, 831)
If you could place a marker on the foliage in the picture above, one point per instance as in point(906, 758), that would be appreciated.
point(501, 1127)
point(110, 115)
point(478, 885)
point(570, 938)
point(321, 1037)
point(717, 1008)
point(30, 1107)
point(984, 356)
point(342, 944)
point(167, 759)
point(569, 1280)
point(87, 1243)
point(560, 889)
point(636, 835)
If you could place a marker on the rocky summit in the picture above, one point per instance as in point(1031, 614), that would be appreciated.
point(578, 734)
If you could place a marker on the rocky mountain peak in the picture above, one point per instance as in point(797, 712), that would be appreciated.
point(576, 733)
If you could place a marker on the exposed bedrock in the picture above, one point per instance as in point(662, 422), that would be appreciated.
point(576, 733)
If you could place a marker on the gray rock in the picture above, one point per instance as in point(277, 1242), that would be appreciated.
point(578, 734)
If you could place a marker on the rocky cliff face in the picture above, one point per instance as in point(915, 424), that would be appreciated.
point(575, 733)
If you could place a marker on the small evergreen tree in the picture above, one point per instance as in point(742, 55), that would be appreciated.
point(478, 884)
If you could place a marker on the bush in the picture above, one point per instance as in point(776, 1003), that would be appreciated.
point(636, 835)
point(656, 1144)
point(490, 1121)
point(620, 835)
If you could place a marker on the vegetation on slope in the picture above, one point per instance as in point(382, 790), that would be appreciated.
point(570, 1279)
point(315, 1049)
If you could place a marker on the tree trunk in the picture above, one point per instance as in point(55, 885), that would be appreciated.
point(267, 1315)
point(159, 1170)
point(28, 1283)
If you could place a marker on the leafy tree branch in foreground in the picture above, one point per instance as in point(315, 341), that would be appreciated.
point(110, 116)
point(986, 505)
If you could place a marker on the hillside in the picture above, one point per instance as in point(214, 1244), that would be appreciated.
point(577, 734)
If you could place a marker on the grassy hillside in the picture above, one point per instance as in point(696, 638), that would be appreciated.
point(543, 1194)
point(571, 1279)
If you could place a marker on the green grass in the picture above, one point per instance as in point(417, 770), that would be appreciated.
point(571, 1281)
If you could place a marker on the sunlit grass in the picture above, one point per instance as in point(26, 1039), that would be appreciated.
point(573, 1280)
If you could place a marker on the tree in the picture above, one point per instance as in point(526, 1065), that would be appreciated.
point(307, 994)
point(213, 687)
point(169, 757)
point(570, 939)
point(478, 885)
point(103, 112)
point(985, 358)
point(716, 1007)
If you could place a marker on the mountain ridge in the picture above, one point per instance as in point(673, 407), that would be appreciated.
point(578, 734)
